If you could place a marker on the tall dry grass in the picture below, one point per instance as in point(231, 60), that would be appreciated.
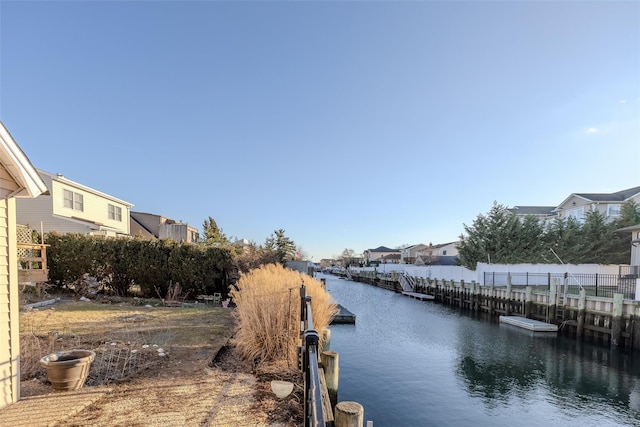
point(268, 314)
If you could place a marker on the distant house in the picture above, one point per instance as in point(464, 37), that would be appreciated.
point(390, 259)
point(578, 204)
point(542, 213)
point(409, 254)
point(156, 226)
point(18, 179)
point(376, 255)
point(440, 254)
point(71, 207)
point(446, 249)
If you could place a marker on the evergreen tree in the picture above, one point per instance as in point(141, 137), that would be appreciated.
point(596, 238)
point(564, 237)
point(283, 247)
point(212, 234)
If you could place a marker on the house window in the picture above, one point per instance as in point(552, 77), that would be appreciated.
point(115, 212)
point(73, 200)
point(444, 252)
point(577, 214)
point(614, 210)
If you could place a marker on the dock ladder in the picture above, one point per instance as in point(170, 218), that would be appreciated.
point(406, 282)
point(560, 307)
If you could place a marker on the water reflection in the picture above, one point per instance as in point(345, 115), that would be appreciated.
point(413, 363)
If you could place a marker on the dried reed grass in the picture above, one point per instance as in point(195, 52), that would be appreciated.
point(268, 314)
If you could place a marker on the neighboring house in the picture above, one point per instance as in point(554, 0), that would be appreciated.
point(18, 179)
point(446, 249)
point(409, 254)
point(578, 204)
point(545, 214)
point(71, 207)
point(441, 254)
point(375, 255)
point(390, 259)
point(150, 226)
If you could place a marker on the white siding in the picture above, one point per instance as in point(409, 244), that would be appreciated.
point(54, 216)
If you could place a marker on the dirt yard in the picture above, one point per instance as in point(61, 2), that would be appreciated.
point(157, 366)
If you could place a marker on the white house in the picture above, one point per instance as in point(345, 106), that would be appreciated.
point(71, 207)
point(578, 204)
point(18, 179)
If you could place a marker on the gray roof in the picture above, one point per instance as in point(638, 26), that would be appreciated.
point(533, 210)
point(383, 249)
point(619, 196)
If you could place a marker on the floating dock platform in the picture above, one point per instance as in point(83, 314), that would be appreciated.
point(344, 317)
point(421, 297)
point(529, 324)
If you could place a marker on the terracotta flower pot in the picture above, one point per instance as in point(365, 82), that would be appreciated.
point(67, 370)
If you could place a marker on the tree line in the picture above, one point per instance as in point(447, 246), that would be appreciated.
point(501, 236)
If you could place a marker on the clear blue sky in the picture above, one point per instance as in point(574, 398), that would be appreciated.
point(347, 124)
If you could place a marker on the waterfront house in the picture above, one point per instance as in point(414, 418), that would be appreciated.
point(156, 226)
point(446, 249)
point(18, 179)
point(375, 255)
point(71, 207)
point(578, 204)
point(408, 255)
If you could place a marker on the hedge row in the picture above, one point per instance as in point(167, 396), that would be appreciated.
point(152, 265)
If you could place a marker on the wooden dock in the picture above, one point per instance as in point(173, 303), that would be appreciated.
point(344, 317)
point(529, 324)
point(421, 297)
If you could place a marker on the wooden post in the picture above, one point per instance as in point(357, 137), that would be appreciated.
point(508, 304)
point(349, 414)
point(551, 306)
point(616, 320)
point(582, 305)
point(528, 301)
point(492, 300)
point(326, 336)
point(331, 365)
point(474, 295)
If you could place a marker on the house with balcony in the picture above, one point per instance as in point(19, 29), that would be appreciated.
point(609, 204)
point(71, 207)
point(18, 180)
point(156, 226)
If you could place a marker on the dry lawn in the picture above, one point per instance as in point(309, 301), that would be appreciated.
point(200, 380)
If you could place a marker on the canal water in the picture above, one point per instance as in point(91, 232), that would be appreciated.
point(422, 363)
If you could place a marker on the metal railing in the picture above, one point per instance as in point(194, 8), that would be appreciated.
point(406, 282)
point(599, 285)
point(313, 408)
